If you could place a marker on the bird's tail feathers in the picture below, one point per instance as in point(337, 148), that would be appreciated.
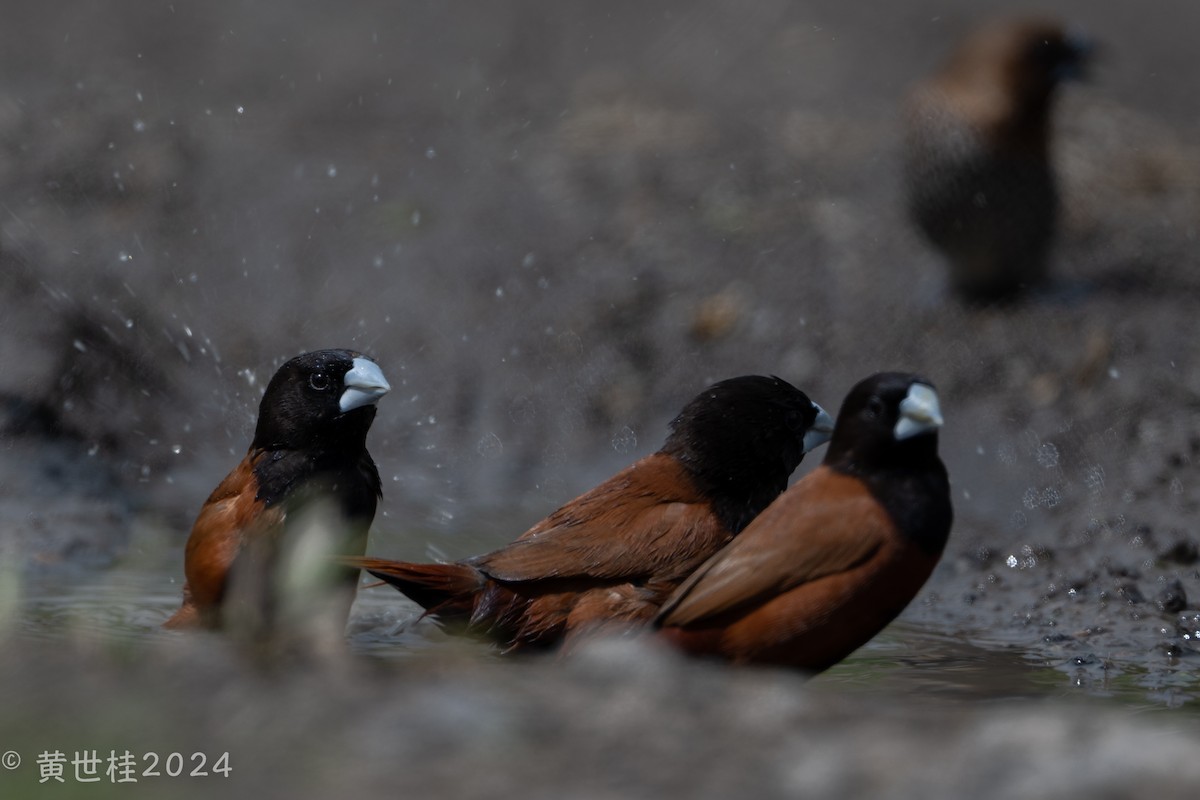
point(438, 588)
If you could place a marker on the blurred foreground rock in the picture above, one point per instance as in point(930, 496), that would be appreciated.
point(618, 720)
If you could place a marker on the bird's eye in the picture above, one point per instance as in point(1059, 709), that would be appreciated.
point(319, 381)
point(874, 408)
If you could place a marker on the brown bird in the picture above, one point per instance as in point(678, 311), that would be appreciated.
point(309, 453)
point(977, 166)
point(839, 554)
point(615, 553)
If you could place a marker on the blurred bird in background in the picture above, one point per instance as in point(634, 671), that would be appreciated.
point(977, 166)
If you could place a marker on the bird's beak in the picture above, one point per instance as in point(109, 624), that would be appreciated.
point(919, 412)
point(364, 384)
point(820, 431)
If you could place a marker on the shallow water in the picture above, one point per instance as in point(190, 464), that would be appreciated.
point(910, 659)
point(127, 604)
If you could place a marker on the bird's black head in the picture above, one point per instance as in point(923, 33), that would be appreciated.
point(1050, 53)
point(886, 435)
point(742, 438)
point(889, 419)
point(323, 399)
point(1026, 57)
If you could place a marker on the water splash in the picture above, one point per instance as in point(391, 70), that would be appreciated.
point(625, 440)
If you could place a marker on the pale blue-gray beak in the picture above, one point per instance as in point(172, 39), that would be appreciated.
point(821, 430)
point(364, 384)
point(919, 412)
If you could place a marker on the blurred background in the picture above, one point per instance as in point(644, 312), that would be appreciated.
point(553, 224)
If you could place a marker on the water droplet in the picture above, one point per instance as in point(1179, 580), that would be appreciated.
point(176, 449)
point(123, 256)
point(625, 440)
point(490, 446)
point(1011, 561)
point(80, 346)
point(331, 171)
point(139, 125)
point(522, 411)
point(1047, 455)
point(241, 109)
point(416, 217)
point(430, 153)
